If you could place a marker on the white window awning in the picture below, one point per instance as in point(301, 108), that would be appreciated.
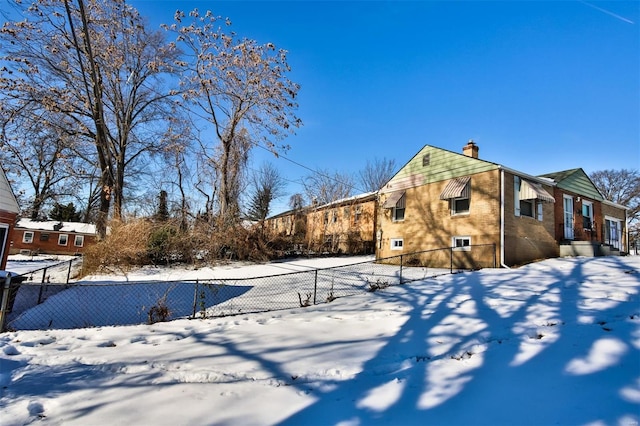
point(456, 188)
point(393, 199)
point(534, 191)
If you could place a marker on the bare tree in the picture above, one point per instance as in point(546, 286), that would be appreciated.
point(296, 202)
point(266, 185)
point(94, 64)
point(36, 153)
point(376, 173)
point(240, 88)
point(324, 187)
point(620, 186)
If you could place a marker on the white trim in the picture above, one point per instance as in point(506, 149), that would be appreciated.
point(24, 237)
point(462, 238)
point(394, 243)
point(66, 237)
point(3, 241)
point(516, 196)
point(75, 241)
point(568, 231)
point(591, 216)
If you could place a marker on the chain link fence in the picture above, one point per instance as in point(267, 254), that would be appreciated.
point(28, 305)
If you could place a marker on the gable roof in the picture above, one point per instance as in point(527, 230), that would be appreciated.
point(576, 181)
point(432, 164)
point(62, 227)
point(8, 201)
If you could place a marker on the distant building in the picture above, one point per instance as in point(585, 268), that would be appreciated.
point(52, 237)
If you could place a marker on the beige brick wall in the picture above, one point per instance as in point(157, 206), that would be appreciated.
point(526, 238)
point(343, 230)
point(429, 224)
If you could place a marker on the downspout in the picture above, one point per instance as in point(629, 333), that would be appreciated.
point(502, 264)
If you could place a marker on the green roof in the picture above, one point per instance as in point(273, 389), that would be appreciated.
point(576, 181)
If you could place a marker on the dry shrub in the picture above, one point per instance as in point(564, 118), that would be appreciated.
point(124, 247)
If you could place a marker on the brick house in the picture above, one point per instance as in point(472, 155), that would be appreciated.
point(445, 199)
point(343, 226)
point(586, 223)
point(8, 214)
point(52, 237)
point(486, 212)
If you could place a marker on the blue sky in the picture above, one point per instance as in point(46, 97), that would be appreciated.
point(541, 86)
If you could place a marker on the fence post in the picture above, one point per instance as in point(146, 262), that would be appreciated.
point(42, 284)
point(400, 269)
point(5, 300)
point(315, 286)
point(69, 271)
point(195, 299)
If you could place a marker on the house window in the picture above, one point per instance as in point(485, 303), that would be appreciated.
point(358, 214)
point(63, 239)
point(398, 214)
point(27, 237)
point(458, 192)
point(326, 218)
point(79, 241)
point(398, 210)
point(461, 243)
point(335, 216)
point(587, 215)
point(528, 198)
point(526, 208)
point(397, 243)
point(460, 205)
point(44, 237)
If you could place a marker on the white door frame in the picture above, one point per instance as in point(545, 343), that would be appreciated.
point(613, 231)
point(3, 241)
point(567, 203)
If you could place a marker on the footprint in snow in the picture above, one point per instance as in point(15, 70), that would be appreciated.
point(36, 409)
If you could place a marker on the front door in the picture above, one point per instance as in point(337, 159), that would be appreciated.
point(568, 217)
point(613, 233)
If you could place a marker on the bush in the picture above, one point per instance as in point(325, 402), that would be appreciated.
point(161, 245)
point(125, 246)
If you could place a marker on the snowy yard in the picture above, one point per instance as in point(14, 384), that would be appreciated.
point(557, 342)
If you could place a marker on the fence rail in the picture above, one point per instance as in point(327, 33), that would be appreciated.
point(29, 305)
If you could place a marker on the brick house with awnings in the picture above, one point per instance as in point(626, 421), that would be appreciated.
point(489, 212)
point(484, 211)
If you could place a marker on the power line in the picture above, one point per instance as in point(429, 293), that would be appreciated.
point(311, 170)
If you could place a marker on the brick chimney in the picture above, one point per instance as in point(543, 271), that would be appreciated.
point(470, 149)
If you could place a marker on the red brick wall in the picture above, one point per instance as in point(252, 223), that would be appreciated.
point(50, 245)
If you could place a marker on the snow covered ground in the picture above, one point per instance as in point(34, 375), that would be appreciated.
point(557, 342)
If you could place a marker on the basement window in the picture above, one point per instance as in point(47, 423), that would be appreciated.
point(461, 243)
point(397, 244)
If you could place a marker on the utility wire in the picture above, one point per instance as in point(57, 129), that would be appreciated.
point(312, 170)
